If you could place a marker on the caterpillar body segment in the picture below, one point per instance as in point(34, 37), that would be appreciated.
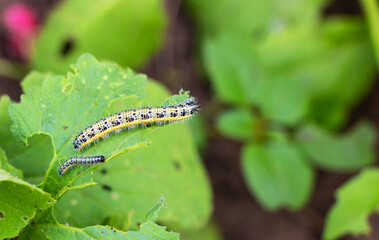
point(71, 162)
point(132, 118)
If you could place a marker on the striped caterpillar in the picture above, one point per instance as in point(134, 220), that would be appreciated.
point(69, 163)
point(135, 117)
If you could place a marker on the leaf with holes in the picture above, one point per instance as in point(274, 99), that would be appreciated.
point(125, 31)
point(148, 230)
point(62, 106)
point(127, 185)
point(30, 159)
point(19, 202)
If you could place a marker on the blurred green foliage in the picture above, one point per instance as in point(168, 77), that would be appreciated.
point(371, 8)
point(291, 78)
point(125, 31)
point(296, 74)
point(278, 174)
point(350, 151)
point(238, 124)
point(251, 17)
point(210, 232)
point(356, 200)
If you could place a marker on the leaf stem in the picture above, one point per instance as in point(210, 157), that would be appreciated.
point(371, 9)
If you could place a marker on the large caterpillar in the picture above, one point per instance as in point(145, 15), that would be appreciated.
point(135, 117)
point(69, 163)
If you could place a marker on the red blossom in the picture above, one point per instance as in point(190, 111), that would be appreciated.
point(21, 23)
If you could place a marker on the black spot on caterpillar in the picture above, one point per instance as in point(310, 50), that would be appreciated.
point(135, 117)
point(79, 161)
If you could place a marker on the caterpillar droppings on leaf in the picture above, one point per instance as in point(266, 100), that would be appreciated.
point(132, 118)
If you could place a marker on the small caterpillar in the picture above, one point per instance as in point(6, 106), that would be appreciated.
point(135, 117)
point(79, 161)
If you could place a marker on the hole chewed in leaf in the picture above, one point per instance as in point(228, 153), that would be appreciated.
point(2, 216)
point(67, 89)
point(67, 47)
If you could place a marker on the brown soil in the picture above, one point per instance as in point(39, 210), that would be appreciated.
point(235, 210)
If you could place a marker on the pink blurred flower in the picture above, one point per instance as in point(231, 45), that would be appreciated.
point(21, 23)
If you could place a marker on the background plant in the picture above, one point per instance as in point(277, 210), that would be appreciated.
point(290, 81)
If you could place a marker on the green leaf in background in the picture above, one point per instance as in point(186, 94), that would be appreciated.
point(210, 232)
point(340, 86)
point(285, 92)
point(228, 15)
point(170, 166)
point(283, 99)
point(7, 167)
point(277, 174)
point(305, 71)
point(199, 132)
point(348, 152)
point(311, 70)
point(237, 124)
point(356, 201)
point(33, 79)
point(148, 230)
point(19, 202)
point(30, 159)
point(125, 31)
point(371, 8)
point(63, 106)
point(251, 16)
point(229, 61)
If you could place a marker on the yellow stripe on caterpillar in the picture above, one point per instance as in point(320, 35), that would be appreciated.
point(135, 117)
